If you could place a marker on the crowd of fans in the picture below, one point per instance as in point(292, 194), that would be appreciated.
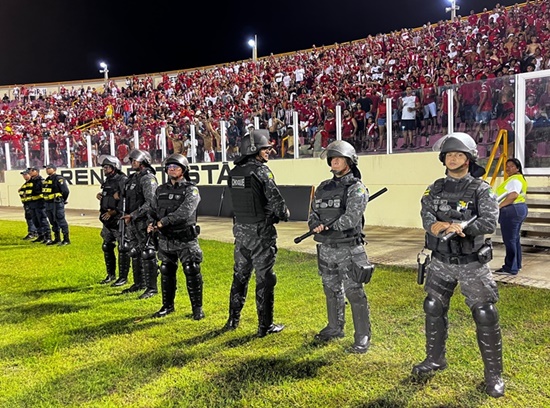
point(476, 55)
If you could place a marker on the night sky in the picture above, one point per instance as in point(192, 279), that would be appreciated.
point(62, 40)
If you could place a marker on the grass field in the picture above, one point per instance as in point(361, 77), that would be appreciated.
point(67, 341)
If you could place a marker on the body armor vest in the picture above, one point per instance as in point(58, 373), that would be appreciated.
point(247, 194)
point(169, 198)
point(330, 204)
point(454, 206)
point(110, 186)
point(133, 193)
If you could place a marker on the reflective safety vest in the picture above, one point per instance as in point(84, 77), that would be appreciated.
point(501, 189)
point(25, 192)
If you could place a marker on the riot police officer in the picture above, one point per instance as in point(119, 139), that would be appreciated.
point(25, 194)
point(139, 193)
point(174, 215)
point(336, 218)
point(258, 205)
point(56, 192)
point(110, 211)
point(464, 209)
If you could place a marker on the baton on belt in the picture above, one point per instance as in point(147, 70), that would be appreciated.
point(299, 239)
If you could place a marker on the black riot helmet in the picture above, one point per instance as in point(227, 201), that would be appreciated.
point(460, 142)
point(108, 160)
point(178, 159)
point(141, 156)
point(256, 140)
point(341, 148)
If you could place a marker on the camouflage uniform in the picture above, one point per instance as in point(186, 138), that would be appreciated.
point(461, 260)
point(175, 206)
point(258, 205)
point(346, 198)
point(139, 193)
point(112, 187)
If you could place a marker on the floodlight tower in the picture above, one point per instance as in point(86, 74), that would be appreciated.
point(104, 71)
point(254, 44)
point(452, 9)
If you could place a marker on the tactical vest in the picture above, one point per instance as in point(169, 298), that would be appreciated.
point(457, 206)
point(133, 193)
point(50, 188)
point(110, 186)
point(169, 199)
point(330, 203)
point(247, 194)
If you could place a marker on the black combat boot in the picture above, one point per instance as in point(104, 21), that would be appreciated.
point(236, 303)
point(47, 239)
point(137, 272)
point(361, 320)
point(110, 262)
point(194, 289)
point(66, 240)
point(40, 238)
point(30, 236)
point(336, 318)
point(168, 289)
point(123, 269)
point(150, 275)
point(436, 335)
point(56, 240)
point(265, 314)
point(489, 340)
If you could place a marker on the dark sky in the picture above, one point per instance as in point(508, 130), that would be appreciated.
point(62, 40)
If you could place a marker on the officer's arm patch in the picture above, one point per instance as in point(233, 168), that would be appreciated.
point(427, 191)
point(195, 191)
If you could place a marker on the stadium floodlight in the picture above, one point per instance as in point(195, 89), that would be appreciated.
point(452, 9)
point(254, 44)
point(104, 71)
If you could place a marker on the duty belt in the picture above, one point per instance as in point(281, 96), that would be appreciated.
point(455, 259)
point(355, 242)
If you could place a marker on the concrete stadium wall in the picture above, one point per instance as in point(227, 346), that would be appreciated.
point(406, 176)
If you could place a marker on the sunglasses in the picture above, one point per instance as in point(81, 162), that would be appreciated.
point(172, 167)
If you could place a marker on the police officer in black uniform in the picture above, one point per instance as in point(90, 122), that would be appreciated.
point(110, 211)
point(174, 216)
point(38, 207)
point(139, 193)
point(457, 212)
point(25, 193)
point(56, 192)
point(258, 205)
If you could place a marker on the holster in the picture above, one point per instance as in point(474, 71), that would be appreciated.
point(361, 268)
point(485, 253)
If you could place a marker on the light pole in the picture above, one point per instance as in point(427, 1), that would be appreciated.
point(452, 9)
point(254, 44)
point(104, 71)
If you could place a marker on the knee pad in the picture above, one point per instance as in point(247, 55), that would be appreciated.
point(192, 268)
point(134, 252)
point(168, 269)
point(108, 246)
point(270, 279)
point(148, 253)
point(433, 306)
point(485, 314)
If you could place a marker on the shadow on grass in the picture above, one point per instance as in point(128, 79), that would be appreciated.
point(18, 314)
point(66, 289)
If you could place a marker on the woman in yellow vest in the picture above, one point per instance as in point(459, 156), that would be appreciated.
point(513, 211)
